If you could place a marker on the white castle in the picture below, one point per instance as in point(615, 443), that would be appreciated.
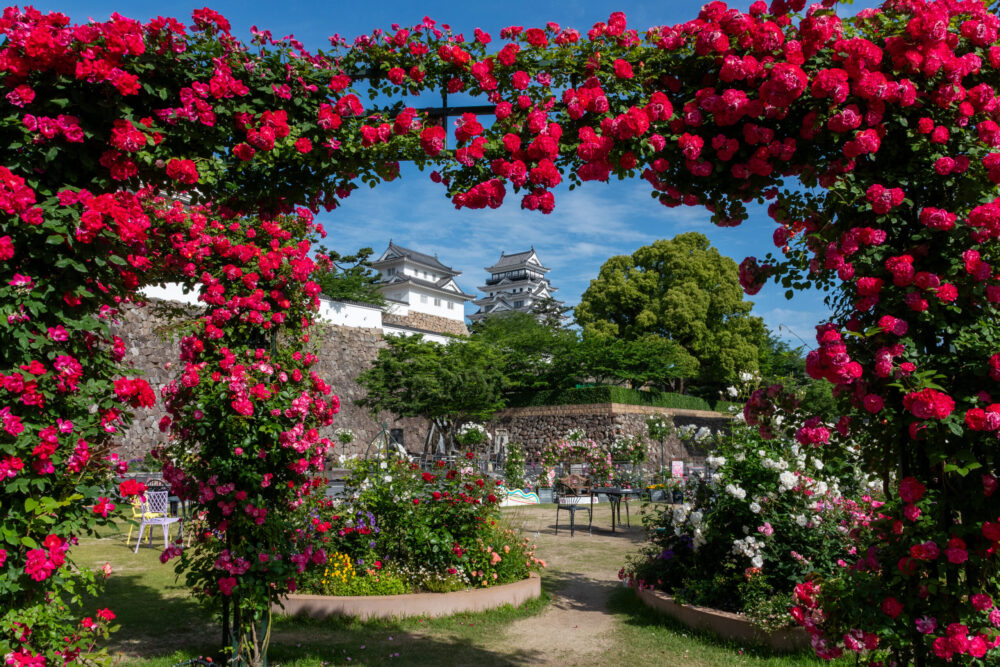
point(517, 282)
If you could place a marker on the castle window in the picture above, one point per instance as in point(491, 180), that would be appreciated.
point(437, 302)
point(518, 304)
point(451, 306)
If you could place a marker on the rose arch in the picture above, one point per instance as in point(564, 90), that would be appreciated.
point(874, 142)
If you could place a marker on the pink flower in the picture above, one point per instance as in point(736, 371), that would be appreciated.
point(58, 333)
point(6, 248)
point(103, 506)
point(929, 404)
point(981, 601)
point(956, 551)
point(20, 280)
point(226, 585)
point(925, 625)
point(910, 490)
point(892, 607)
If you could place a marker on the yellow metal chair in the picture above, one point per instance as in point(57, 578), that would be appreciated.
point(139, 512)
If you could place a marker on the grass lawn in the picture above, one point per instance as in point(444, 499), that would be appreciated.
point(162, 624)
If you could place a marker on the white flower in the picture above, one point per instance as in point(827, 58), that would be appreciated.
point(740, 456)
point(801, 520)
point(695, 518)
point(732, 391)
point(746, 377)
point(387, 478)
point(383, 465)
point(736, 491)
point(755, 508)
point(787, 481)
point(817, 464)
point(702, 433)
point(699, 539)
point(820, 488)
point(757, 561)
point(715, 461)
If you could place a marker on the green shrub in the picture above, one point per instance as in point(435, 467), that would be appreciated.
point(728, 407)
point(609, 394)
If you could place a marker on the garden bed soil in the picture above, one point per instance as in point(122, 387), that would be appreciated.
point(413, 604)
point(724, 624)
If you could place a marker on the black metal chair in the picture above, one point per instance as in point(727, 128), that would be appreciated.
point(572, 490)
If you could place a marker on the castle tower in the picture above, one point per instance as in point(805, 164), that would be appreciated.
point(517, 283)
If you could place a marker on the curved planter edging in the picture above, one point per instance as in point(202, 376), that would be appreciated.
point(724, 624)
point(412, 604)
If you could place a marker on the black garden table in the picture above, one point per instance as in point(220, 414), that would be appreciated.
point(615, 495)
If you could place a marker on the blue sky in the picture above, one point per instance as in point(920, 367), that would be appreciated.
point(588, 226)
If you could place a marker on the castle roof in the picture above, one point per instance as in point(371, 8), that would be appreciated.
point(396, 252)
point(432, 285)
point(515, 260)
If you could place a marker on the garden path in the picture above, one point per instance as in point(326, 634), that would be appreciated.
point(581, 576)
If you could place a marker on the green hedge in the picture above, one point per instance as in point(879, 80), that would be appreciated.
point(585, 395)
point(724, 407)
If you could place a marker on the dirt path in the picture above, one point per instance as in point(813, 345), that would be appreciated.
point(582, 572)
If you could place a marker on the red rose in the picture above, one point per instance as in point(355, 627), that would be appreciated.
point(892, 607)
point(910, 490)
point(183, 171)
point(623, 70)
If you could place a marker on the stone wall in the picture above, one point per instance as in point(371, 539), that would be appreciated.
point(537, 426)
point(427, 322)
point(150, 336)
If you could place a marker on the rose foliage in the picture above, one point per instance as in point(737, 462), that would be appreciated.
point(889, 120)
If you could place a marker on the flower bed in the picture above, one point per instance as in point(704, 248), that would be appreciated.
point(414, 604)
point(724, 624)
point(399, 530)
point(772, 514)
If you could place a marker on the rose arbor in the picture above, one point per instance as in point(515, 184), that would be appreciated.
point(875, 141)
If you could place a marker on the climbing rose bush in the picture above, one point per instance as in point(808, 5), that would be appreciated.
point(873, 142)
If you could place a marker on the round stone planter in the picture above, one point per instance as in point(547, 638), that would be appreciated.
point(415, 604)
point(725, 624)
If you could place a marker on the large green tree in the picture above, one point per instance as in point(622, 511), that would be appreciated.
point(650, 360)
point(534, 354)
point(682, 290)
point(446, 384)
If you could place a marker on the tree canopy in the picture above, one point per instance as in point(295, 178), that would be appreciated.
point(683, 290)
point(447, 384)
point(348, 277)
point(534, 354)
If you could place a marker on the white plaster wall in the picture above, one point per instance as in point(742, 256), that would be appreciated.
point(171, 292)
point(350, 314)
point(456, 313)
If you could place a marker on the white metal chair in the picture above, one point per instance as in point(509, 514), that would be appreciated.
point(155, 512)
